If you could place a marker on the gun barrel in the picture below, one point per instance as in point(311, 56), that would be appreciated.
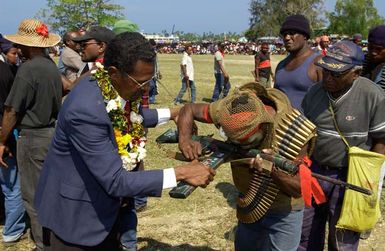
point(343, 184)
point(222, 151)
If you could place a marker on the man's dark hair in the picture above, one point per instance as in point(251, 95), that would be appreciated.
point(152, 42)
point(126, 49)
point(67, 37)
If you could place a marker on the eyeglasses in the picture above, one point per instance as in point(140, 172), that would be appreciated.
point(336, 74)
point(84, 45)
point(140, 85)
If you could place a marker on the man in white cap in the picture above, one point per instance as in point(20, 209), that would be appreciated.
point(32, 107)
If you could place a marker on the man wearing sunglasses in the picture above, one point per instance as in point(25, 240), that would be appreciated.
point(358, 107)
point(93, 45)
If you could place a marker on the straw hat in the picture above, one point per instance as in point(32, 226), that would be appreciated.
point(34, 33)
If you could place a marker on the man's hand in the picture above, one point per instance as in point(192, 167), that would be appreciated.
point(195, 173)
point(191, 149)
point(3, 151)
point(226, 77)
point(257, 162)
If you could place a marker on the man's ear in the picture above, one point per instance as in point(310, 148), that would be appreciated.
point(357, 73)
point(103, 47)
point(113, 72)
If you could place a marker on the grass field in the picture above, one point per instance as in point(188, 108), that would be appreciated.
point(206, 219)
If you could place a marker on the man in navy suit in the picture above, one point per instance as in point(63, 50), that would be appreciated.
point(82, 181)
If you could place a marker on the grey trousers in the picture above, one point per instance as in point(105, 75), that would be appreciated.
point(32, 147)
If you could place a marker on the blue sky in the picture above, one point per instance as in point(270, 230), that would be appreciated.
point(156, 15)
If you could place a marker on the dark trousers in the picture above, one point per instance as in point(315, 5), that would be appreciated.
point(53, 243)
point(221, 89)
point(315, 218)
point(32, 148)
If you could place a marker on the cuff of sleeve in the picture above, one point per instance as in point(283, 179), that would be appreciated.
point(164, 116)
point(169, 178)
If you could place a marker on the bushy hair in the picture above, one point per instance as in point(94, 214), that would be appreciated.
point(126, 49)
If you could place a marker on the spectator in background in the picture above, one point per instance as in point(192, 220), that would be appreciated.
point(222, 78)
point(153, 84)
point(375, 58)
point(297, 72)
point(324, 44)
point(14, 225)
point(93, 45)
point(9, 52)
point(70, 61)
point(263, 66)
point(357, 39)
point(32, 107)
point(187, 75)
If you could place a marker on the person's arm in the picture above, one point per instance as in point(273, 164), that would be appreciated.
point(73, 60)
point(289, 184)
point(190, 148)
point(184, 71)
point(185, 75)
point(91, 139)
point(257, 61)
point(160, 116)
point(378, 146)
point(314, 71)
point(8, 123)
point(226, 76)
point(67, 85)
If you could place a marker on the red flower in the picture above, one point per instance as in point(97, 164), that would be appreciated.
point(42, 30)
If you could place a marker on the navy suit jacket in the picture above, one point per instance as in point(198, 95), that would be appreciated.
point(82, 181)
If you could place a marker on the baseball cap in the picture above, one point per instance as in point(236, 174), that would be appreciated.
point(342, 56)
point(99, 33)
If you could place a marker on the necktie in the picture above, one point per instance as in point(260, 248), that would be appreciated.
point(145, 103)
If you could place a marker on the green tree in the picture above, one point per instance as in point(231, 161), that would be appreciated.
point(354, 16)
point(63, 15)
point(268, 15)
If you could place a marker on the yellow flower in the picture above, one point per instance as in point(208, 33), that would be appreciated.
point(130, 149)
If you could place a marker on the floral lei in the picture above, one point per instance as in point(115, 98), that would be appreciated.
point(129, 133)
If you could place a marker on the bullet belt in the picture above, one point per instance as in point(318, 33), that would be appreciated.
point(292, 133)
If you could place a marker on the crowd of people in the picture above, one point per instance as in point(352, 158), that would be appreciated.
point(73, 134)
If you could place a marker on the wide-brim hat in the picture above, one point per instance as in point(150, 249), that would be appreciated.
point(34, 33)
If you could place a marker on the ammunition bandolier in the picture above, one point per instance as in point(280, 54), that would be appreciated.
point(291, 132)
